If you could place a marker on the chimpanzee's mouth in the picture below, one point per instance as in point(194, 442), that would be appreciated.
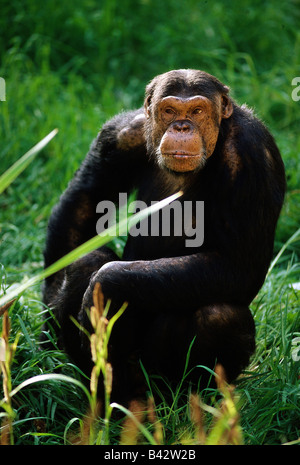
point(181, 155)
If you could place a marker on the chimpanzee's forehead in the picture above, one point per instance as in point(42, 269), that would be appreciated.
point(188, 83)
point(184, 89)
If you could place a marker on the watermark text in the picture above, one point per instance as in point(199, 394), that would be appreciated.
point(185, 219)
point(296, 91)
point(2, 90)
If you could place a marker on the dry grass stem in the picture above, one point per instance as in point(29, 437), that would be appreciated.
point(7, 352)
point(225, 427)
point(158, 427)
point(197, 418)
point(6, 306)
point(130, 428)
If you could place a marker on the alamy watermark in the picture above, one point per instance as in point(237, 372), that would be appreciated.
point(296, 91)
point(2, 90)
point(178, 219)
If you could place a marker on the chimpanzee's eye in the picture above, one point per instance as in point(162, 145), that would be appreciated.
point(168, 114)
point(197, 111)
point(170, 111)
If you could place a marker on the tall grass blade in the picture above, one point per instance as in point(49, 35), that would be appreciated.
point(292, 239)
point(139, 425)
point(13, 172)
point(49, 377)
point(87, 247)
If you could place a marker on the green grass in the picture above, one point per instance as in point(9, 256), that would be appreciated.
point(73, 67)
point(48, 412)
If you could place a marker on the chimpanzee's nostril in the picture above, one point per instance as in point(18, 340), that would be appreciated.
point(182, 126)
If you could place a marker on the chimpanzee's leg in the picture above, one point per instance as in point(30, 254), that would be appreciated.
point(216, 333)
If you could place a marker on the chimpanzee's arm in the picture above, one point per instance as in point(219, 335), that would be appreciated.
point(233, 274)
point(111, 166)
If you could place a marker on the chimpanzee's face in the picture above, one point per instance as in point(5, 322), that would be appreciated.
point(184, 127)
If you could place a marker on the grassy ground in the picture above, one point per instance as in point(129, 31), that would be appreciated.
point(74, 67)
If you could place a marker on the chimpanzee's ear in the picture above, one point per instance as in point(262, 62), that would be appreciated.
point(227, 107)
point(149, 95)
point(147, 105)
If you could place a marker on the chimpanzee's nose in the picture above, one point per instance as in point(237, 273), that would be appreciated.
point(182, 126)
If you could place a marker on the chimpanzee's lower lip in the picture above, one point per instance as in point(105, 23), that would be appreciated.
point(181, 155)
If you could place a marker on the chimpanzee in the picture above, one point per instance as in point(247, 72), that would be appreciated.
point(183, 300)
